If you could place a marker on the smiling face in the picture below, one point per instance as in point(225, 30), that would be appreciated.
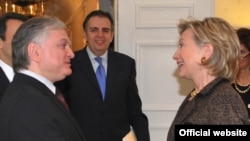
point(99, 34)
point(188, 56)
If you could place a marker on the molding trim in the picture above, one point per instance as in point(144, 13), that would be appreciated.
point(162, 15)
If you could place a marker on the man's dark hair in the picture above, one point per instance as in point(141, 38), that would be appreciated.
point(4, 18)
point(98, 13)
point(244, 37)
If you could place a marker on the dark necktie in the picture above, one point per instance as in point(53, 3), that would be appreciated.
point(101, 76)
point(61, 98)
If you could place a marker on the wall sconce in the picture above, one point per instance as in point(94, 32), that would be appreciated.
point(30, 8)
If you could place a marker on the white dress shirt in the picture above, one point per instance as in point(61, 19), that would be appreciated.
point(8, 70)
point(95, 63)
point(40, 78)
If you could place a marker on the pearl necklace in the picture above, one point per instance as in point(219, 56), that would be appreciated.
point(238, 89)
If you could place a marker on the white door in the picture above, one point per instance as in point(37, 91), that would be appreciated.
point(146, 30)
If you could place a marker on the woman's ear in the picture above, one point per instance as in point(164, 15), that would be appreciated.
point(208, 50)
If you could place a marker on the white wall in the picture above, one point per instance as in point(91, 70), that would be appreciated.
point(146, 30)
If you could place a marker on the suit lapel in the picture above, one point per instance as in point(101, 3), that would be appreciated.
point(46, 91)
point(4, 82)
point(112, 72)
point(83, 62)
point(67, 114)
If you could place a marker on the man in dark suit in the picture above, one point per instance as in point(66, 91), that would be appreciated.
point(9, 23)
point(30, 109)
point(106, 116)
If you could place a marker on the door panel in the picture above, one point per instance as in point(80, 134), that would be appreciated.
point(146, 31)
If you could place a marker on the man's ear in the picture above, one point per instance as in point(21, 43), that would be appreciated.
point(1, 43)
point(112, 36)
point(34, 52)
point(84, 40)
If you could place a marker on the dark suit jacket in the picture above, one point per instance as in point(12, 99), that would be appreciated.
point(4, 82)
point(216, 104)
point(107, 120)
point(29, 111)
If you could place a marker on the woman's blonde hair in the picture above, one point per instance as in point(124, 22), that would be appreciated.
point(222, 36)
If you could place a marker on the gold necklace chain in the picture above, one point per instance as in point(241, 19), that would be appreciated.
point(238, 89)
point(193, 94)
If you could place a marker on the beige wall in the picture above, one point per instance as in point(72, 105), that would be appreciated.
point(79, 10)
point(73, 12)
point(237, 12)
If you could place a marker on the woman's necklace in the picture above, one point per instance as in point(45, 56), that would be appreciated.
point(239, 90)
point(193, 94)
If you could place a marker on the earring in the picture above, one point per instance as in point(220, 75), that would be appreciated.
point(203, 60)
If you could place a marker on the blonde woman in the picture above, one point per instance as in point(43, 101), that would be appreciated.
point(208, 55)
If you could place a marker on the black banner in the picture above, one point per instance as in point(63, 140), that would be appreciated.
point(197, 132)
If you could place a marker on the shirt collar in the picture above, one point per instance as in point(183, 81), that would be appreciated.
point(40, 78)
point(8, 70)
point(92, 55)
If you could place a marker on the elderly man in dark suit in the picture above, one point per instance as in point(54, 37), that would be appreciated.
point(105, 110)
point(30, 109)
point(9, 23)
